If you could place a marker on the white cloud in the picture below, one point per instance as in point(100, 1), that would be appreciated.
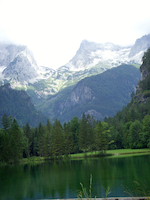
point(53, 30)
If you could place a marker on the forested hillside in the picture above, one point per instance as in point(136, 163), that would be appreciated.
point(100, 95)
point(18, 104)
point(131, 126)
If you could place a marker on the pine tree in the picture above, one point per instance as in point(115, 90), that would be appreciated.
point(41, 132)
point(69, 144)
point(58, 140)
point(83, 136)
point(75, 125)
point(47, 148)
point(15, 141)
point(101, 137)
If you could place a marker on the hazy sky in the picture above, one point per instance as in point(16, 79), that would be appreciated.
point(54, 29)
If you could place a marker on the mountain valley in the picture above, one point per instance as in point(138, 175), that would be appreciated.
point(54, 92)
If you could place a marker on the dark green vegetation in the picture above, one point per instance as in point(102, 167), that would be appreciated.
point(19, 105)
point(105, 94)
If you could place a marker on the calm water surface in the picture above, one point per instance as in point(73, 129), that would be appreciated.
point(62, 179)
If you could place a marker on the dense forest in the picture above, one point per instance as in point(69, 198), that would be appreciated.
point(129, 128)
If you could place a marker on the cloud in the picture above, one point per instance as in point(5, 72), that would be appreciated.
point(53, 30)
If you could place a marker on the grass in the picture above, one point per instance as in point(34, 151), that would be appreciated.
point(116, 152)
point(139, 190)
point(128, 151)
point(79, 156)
point(32, 160)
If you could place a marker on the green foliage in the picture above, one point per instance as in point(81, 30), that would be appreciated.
point(69, 142)
point(84, 193)
point(83, 136)
point(11, 142)
point(135, 130)
point(101, 136)
point(6, 121)
point(58, 140)
point(75, 125)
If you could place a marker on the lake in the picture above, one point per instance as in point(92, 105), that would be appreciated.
point(62, 179)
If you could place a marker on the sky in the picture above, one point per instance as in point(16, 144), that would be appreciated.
point(54, 29)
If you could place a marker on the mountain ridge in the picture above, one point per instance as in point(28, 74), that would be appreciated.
point(100, 95)
point(19, 68)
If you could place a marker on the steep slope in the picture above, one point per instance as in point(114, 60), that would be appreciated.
point(101, 95)
point(20, 106)
point(143, 86)
point(141, 45)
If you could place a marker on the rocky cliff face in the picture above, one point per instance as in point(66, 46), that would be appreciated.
point(21, 67)
point(143, 86)
point(140, 46)
point(8, 53)
point(79, 95)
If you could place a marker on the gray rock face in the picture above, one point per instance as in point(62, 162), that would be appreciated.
point(22, 67)
point(78, 96)
point(141, 44)
point(94, 113)
point(91, 53)
point(8, 53)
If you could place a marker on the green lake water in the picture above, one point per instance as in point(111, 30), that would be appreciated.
point(62, 179)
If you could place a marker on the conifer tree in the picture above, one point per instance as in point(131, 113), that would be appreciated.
point(75, 125)
point(58, 140)
point(16, 145)
point(83, 136)
point(69, 144)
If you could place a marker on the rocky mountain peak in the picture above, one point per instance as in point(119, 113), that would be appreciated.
point(22, 68)
point(141, 45)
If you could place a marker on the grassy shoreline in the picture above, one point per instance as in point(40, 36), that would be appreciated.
point(80, 156)
point(116, 152)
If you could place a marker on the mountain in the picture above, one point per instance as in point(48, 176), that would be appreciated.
point(18, 104)
point(19, 68)
point(100, 95)
point(91, 54)
point(141, 45)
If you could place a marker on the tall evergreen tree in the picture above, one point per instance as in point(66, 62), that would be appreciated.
point(58, 140)
point(16, 145)
point(101, 138)
point(83, 136)
point(75, 125)
point(27, 132)
point(68, 136)
point(146, 131)
point(135, 130)
point(48, 137)
point(41, 132)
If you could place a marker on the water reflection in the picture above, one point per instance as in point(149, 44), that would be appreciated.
point(62, 179)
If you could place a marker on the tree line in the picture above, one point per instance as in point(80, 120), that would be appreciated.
point(53, 141)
